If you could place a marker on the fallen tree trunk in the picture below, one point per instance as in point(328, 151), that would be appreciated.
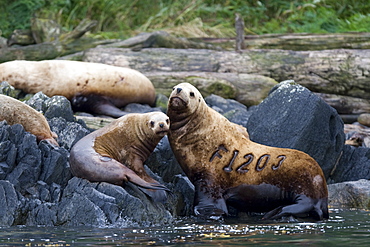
point(341, 72)
point(297, 42)
point(346, 104)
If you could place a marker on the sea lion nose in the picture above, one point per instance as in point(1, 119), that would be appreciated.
point(161, 125)
point(179, 90)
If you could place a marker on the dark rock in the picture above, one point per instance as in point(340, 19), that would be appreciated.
point(353, 165)
point(98, 204)
point(139, 108)
point(59, 106)
point(55, 163)
point(9, 203)
point(38, 102)
point(353, 194)
point(28, 162)
point(38, 173)
point(163, 162)
point(231, 109)
point(293, 117)
point(68, 132)
point(56, 106)
point(185, 192)
point(42, 215)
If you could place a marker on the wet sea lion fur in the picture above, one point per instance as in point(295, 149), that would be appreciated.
point(227, 168)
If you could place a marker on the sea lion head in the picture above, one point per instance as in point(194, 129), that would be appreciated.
point(159, 123)
point(184, 98)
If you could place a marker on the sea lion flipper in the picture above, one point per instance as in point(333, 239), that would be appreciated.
point(207, 205)
point(96, 104)
point(304, 207)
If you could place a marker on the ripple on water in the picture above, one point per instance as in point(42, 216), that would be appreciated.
point(344, 227)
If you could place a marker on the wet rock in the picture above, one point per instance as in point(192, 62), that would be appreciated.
point(293, 117)
point(99, 204)
point(352, 194)
point(163, 162)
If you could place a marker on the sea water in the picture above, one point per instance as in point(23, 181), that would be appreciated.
point(346, 227)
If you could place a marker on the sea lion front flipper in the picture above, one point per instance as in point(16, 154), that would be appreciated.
point(304, 207)
point(96, 104)
point(207, 205)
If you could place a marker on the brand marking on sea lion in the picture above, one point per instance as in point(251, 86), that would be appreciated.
point(261, 164)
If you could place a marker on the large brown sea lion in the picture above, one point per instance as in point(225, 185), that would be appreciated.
point(92, 87)
point(17, 112)
point(227, 168)
point(116, 152)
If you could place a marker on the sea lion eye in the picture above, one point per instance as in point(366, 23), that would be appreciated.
point(192, 94)
point(152, 123)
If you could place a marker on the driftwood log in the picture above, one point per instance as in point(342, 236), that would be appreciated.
point(342, 72)
point(245, 88)
point(297, 42)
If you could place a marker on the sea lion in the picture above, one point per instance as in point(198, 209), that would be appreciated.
point(17, 112)
point(116, 152)
point(91, 87)
point(227, 168)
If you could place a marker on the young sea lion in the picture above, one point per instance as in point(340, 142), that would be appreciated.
point(17, 112)
point(116, 152)
point(92, 87)
point(228, 168)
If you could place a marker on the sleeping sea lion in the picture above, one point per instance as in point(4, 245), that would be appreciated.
point(227, 168)
point(17, 112)
point(116, 152)
point(91, 87)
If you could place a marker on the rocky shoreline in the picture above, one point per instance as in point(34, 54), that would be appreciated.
point(39, 189)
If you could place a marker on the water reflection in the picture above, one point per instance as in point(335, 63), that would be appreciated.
point(344, 228)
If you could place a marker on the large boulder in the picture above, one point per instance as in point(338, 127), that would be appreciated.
point(351, 194)
point(294, 117)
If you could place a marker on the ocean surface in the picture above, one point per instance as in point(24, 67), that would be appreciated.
point(346, 227)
